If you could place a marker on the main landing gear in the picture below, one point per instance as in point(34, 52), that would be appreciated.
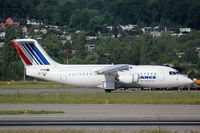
point(108, 90)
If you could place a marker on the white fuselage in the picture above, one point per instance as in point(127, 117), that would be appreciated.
point(86, 76)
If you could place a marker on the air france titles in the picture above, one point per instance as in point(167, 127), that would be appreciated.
point(147, 78)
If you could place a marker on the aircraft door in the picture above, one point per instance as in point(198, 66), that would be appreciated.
point(63, 76)
point(161, 75)
point(176, 79)
point(135, 77)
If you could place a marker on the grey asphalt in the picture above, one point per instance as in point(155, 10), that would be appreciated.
point(48, 91)
point(105, 112)
point(74, 91)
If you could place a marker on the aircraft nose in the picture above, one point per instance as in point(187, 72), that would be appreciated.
point(186, 81)
point(189, 81)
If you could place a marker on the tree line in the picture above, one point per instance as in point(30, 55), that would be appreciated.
point(96, 14)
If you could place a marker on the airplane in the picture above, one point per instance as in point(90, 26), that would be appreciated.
point(39, 64)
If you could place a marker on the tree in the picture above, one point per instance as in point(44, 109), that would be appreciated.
point(147, 48)
point(75, 60)
point(9, 52)
point(54, 47)
point(80, 42)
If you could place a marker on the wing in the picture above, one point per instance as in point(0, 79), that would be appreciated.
point(113, 68)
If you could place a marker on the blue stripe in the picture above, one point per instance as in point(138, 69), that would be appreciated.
point(34, 54)
point(28, 51)
point(39, 54)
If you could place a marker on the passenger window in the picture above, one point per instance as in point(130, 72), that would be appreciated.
point(170, 72)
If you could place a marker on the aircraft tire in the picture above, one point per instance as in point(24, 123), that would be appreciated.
point(108, 90)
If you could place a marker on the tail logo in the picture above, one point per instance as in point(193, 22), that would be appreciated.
point(30, 54)
point(22, 55)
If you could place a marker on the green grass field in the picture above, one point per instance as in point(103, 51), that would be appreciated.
point(101, 98)
point(9, 112)
point(98, 98)
point(30, 85)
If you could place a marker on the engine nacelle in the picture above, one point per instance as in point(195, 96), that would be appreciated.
point(128, 79)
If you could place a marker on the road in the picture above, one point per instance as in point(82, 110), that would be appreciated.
point(72, 91)
point(48, 91)
point(106, 116)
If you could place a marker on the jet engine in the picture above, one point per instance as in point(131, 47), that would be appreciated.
point(128, 79)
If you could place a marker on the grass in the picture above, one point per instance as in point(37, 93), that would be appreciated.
point(101, 98)
point(9, 112)
point(90, 131)
point(30, 85)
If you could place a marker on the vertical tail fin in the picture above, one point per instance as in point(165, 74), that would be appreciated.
point(31, 53)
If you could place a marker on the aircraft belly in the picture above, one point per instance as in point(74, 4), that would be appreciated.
point(147, 84)
point(84, 81)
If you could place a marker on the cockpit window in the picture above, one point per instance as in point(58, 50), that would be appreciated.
point(173, 73)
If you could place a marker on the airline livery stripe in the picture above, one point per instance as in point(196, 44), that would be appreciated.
point(34, 54)
point(25, 52)
point(29, 53)
point(39, 54)
point(22, 55)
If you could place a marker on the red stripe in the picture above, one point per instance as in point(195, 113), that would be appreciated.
point(23, 56)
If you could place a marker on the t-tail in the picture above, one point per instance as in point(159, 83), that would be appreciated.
point(32, 54)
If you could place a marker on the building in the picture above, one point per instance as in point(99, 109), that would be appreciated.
point(146, 29)
point(43, 30)
point(8, 21)
point(2, 35)
point(90, 47)
point(63, 37)
point(1, 44)
point(185, 30)
point(34, 22)
point(24, 29)
point(128, 27)
point(91, 37)
point(154, 31)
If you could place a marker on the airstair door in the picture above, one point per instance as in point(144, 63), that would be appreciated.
point(63, 76)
